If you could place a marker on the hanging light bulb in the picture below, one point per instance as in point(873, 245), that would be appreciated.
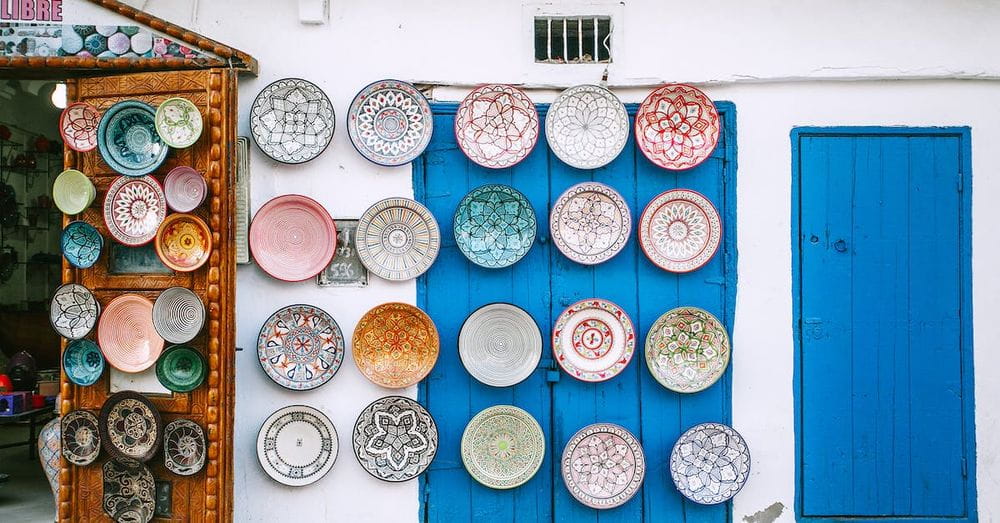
point(59, 96)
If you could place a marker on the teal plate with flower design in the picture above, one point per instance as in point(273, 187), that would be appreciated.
point(128, 140)
point(495, 226)
point(83, 362)
point(81, 244)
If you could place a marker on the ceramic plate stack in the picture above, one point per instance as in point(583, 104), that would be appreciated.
point(184, 447)
point(495, 226)
point(593, 340)
point(680, 230)
point(184, 188)
point(78, 126)
point(500, 344)
point(134, 209)
point(178, 122)
point(129, 491)
point(496, 126)
point(395, 345)
point(292, 237)
point(503, 447)
point(292, 120)
point(178, 315)
point(126, 334)
point(603, 466)
point(83, 362)
point(677, 127)
point(395, 439)
point(710, 463)
point(72, 192)
point(586, 126)
point(130, 426)
point(687, 349)
point(183, 242)
point(390, 122)
point(128, 141)
point(297, 445)
point(300, 347)
point(590, 223)
point(73, 311)
point(81, 244)
point(181, 368)
point(398, 239)
point(81, 437)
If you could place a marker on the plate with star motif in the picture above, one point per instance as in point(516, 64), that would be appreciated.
point(130, 426)
point(300, 347)
point(395, 439)
point(292, 120)
point(395, 345)
point(503, 447)
point(680, 230)
point(710, 463)
point(677, 127)
point(297, 445)
point(603, 466)
point(390, 122)
point(495, 226)
point(134, 209)
point(586, 126)
point(590, 223)
point(496, 126)
point(397, 239)
point(687, 349)
point(593, 340)
point(81, 439)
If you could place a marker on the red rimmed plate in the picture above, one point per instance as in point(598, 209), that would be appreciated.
point(126, 334)
point(185, 188)
point(680, 230)
point(292, 237)
point(677, 127)
point(183, 242)
point(78, 126)
point(593, 340)
point(134, 209)
point(496, 126)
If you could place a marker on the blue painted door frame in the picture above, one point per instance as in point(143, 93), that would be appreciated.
point(883, 384)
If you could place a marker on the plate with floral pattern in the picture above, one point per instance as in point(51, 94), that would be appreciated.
point(183, 242)
point(603, 466)
point(503, 447)
point(73, 311)
point(395, 345)
point(390, 122)
point(134, 209)
point(81, 437)
point(395, 439)
point(297, 445)
point(81, 244)
point(687, 349)
point(593, 340)
point(680, 230)
point(590, 223)
point(78, 126)
point(128, 141)
point(292, 120)
point(496, 126)
point(710, 463)
point(83, 362)
point(300, 347)
point(178, 122)
point(398, 239)
point(586, 126)
point(677, 127)
point(130, 426)
point(495, 226)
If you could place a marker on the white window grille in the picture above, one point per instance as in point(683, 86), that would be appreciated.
point(572, 39)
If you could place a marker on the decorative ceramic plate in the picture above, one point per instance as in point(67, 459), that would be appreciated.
point(496, 126)
point(710, 463)
point(292, 120)
point(126, 334)
point(81, 437)
point(500, 344)
point(181, 368)
point(72, 192)
point(503, 447)
point(78, 126)
point(73, 311)
point(603, 465)
point(687, 349)
point(390, 122)
point(128, 141)
point(297, 445)
point(593, 340)
point(130, 426)
point(395, 439)
point(586, 126)
point(680, 230)
point(178, 315)
point(300, 347)
point(395, 345)
point(590, 223)
point(81, 244)
point(184, 188)
point(677, 127)
point(178, 122)
point(183, 242)
point(398, 239)
point(129, 491)
point(134, 209)
point(83, 362)
point(184, 447)
point(293, 238)
point(495, 226)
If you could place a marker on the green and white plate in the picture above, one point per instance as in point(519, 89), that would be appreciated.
point(503, 447)
point(178, 122)
point(687, 349)
point(181, 368)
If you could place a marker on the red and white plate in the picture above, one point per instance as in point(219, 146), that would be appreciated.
point(496, 126)
point(593, 340)
point(293, 237)
point(78, 126)
point(680, 230)
point(677, 127)
point(126, 334)
point(134, 208)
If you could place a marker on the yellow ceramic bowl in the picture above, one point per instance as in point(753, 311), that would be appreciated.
point(183, 242)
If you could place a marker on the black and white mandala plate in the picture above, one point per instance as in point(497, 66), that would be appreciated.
point(395, 439)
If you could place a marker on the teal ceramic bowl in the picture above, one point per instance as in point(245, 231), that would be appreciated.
point(128, 141)
point(495, 226)
point(83, 362)
point(81, 244)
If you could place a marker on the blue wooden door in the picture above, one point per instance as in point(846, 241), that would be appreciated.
point(884, 384)
point(544, 282)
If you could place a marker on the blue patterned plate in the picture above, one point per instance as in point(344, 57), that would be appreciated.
point(128, 140)
point(495, 226)
point(81, 244)
point(83, 362)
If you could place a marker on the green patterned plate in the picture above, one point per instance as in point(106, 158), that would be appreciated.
point(495, 226)
point(181, 368)
point(503, 447)
point(687, 349)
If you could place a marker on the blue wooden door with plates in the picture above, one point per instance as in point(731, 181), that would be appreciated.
point(544, 283)
point(884, 411)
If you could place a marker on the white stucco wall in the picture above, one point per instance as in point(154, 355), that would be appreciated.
point(784, 64)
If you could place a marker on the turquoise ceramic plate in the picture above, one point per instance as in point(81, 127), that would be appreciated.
point(495, 226)
point(83, 362)
point(181, 368)
point(128, 140)
point(81, 244)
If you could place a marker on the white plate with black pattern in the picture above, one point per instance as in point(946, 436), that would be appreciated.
point(710, 463)
point(297, 445)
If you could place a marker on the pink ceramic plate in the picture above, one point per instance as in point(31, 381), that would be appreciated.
point(677, 127)
point(78, 126)
point(292, 237)
point(185, 188)
point(126, 334)
point(134, 209)
point(496, 126)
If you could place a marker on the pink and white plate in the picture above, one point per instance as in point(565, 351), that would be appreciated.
point(680, 230)
point(593, 340)
point(677, 127)
point(134, 208)
point(292, 237)
point(185, 188)
point(603, 465)
point(496, 126)
point(126, 334)
point(78, 126)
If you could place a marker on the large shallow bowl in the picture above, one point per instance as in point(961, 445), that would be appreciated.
point(128, 141)
point(134, 208)
point(300, 347)
point(496, 126)
point(603, 465)
point(83, 362)
point(677, 127)
point(73, 311)
point(687, 349)
point(81, 244)
point(395, 345)
point(126, 334)
point(398, 239)
point(500, 344)
point(183, 242)
point(593, 340)
point(293, 237)
point(495, 226)
point(185, 188)
point(292, 120)
point(680, 230)
point(72, 192)
point(586, 126)
point(503, 447)
point(130, 426)
point(178, 315)
point(395, 439)
point(590, 223)
point(390, 122)
point(297, 445)
point(181, 368)
point(710, 463)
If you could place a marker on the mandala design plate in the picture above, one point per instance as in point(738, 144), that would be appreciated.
point(292, 120)
point(677, 127)
point(81, 438)
point(586, 126)
point(593, 340)
point(398, 239)
point(590, 223)
point(687, 349)
point(83, 362)
point(395, 439)
point(390, 122)
point(495, 226)
point(503, 447)
point(395, 345)
point(680, 230)
point(178, 315)
point(496, 126)
point(78, 126)
point(500, 344)
point(293, 238)
point(72, 191)
point(181, 368)
point(126, 334)
point(297, 445)
point(128, 141)
point(134, 209)
point(130, 426)
point(178, 122)
point(603, 466)
point(73, 311)
point(129, 491)
point(183, 447)
point(183, 242)
point(710, 463)
point(184, 188)
point(81, 244)
point(300, 347)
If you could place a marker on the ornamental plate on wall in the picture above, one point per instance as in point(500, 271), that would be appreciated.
point(300, 347)
point(134, 209)
point(83, 362)
point(128, 141)
point(590, 223)
point(710, 463)
point(398, 239)
point(495, 226)
point(81, 244)
point(496, 126)
point(395, 439)
point(687, 349)
point(593, 340)
point(603, 465)
point(130, 426)
point(183, 242)
point(73, 311)
point(292, 120)
point(500, 344)
point(129, 491)
point(126, 334)
point(395, 345)
point(390, 122)
point(297, 445)
point(293, 237)
point(586, 126)
point(183, 447)
point(178, 315)
point(78, 126)
point(680, 230)
point(178, 122)
point(81, 437)
point(677, 127)
point(181, 368)
point(503, 447)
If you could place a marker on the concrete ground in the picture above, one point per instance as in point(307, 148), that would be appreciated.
point(25, 497)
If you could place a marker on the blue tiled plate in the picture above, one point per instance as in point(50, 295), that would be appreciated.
point(495, 226)
point(81, 244)
point(83, 362)
point(128, 140)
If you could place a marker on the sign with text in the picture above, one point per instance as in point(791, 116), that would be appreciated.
point(346, 269)
point(32, 10)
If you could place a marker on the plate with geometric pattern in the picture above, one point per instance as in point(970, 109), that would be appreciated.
point(395, 439)
point(134, 209)
point(398, 239)
point(390, 122)
point(710, 463)
point(81, 438)
point(496, 126)
point(292, 120)
point(687, 349)
point(300, 347)
point(593, 340)
point(503, 447)
point(590, 223)
point(586, 126)
point(677, 127)
point(495, 226)
point(297, 445)
point(680, 230)
point(603, 465)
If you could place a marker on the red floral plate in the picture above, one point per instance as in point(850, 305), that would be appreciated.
point(680, 230)
point(292, 237)
point(496, 126)
point(126, 334)
point(78, 126)
point(183, 242)
point(593, 340)
point(134, 209)
point(677, 127)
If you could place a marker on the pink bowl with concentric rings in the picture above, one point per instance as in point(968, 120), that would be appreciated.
point(185, 188)
point(126, 334)
point(292, 237)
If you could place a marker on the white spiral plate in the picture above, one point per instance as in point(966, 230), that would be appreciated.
point(500, 344)
point(178, 315)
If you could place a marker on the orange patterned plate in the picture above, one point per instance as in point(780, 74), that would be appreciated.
point(183, 242)
point(395, 345)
